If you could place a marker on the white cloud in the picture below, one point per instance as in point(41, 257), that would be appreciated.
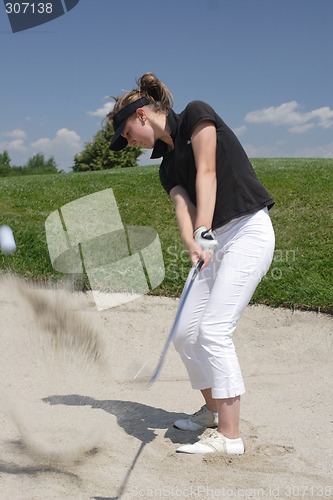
point(103, 111)
point(301, 129)
point(16, 134)
point(325, 151)
point(290, 114)
point(63, 138)
point(283, 114)
point(17, 145)
point(13, 140)
point(281, 150)
point(240, 130)
point(263, 151)
point(63, 146)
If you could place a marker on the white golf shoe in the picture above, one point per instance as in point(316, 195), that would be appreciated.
point(214, 442)
point(198, 421)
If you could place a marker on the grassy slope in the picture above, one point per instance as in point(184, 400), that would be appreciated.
point(301, 273)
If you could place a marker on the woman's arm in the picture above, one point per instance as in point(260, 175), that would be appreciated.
point(186, 214)
point(204, 148)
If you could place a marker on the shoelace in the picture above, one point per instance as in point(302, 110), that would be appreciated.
point(202, 409)
point(212, 434)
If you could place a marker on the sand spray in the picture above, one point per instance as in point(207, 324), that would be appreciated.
point(57, 352)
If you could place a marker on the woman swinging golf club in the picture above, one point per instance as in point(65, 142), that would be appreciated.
point(222, 213)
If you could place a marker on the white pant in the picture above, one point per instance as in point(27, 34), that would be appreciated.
point(218, 297)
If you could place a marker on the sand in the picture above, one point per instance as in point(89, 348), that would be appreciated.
point(77, 423)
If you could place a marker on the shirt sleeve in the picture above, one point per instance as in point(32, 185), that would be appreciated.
point(196, 112)
point(166, 181)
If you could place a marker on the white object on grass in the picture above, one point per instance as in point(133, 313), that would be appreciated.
point(7, 241)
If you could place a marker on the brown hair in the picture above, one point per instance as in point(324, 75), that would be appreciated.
point(148, 86)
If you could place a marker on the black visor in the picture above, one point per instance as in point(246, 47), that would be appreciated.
point(119, 121)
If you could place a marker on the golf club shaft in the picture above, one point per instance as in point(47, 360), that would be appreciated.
point(174, 326)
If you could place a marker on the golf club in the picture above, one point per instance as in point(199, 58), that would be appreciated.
point(174, 326)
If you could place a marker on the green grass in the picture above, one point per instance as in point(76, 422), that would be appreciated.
point(301, 272)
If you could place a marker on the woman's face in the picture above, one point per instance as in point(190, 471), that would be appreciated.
point(139, 132)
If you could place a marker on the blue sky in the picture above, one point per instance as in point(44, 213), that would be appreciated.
point(266, 66)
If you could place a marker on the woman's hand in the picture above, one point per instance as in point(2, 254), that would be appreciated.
point(200, 245)
point(196, 252)
point(206, 239)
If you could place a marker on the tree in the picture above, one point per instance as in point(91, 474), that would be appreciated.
point(5, 166)
point(38, 165)
point(98, 156)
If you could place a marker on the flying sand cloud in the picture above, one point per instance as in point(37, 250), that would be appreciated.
point(290, 114)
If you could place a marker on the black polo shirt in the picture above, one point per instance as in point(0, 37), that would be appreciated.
point(239, 191)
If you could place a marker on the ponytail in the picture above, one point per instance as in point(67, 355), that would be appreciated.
point(151, 87)
point(148, 86)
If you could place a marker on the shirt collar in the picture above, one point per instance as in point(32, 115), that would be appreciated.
point(161, 148)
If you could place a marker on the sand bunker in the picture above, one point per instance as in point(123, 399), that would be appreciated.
point(75, 424)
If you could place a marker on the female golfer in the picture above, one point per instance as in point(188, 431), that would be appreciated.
point(222, 214)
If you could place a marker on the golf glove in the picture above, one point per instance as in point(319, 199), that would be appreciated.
point(206, 238)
